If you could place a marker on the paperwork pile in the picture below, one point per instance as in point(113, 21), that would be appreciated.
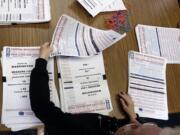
point(83, 85)
point(24, 11)
point(94, 7)
point(17, 63)
point(147, 78)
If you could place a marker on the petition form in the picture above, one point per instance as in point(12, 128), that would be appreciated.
point(115, 6)
point(147, 85)
point(24, 11)
point(83, 85)
point(95, 6)
point(159, 41)
point(72, 38)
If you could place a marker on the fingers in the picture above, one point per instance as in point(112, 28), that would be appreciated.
point(46, 44)
point(45, 50)
point(51, 48)
point(124, 105)
point(127, 105)
point(126, 98)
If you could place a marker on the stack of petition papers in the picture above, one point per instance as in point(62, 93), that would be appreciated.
point(83, 85)
point(72, 38)
point(94, 7)
point(17, 64)
point(147, 85)
point(24, 11)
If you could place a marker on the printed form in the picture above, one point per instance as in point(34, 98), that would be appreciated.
point(24, 11)
point(95, 6)
point(115, 6)
point(83, 85)
point(147, 85)
point(72, 38)
point(17, 64)
point(159, 41)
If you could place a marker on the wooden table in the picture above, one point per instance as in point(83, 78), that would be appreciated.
point(151, 12)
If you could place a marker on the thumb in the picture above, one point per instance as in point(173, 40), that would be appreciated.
point(46, 44)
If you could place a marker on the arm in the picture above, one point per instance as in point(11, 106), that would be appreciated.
point(39, 90)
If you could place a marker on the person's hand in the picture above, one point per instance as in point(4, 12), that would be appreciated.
point(127, 105)
point(45, 51)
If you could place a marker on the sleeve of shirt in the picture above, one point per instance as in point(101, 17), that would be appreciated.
point(43, 108)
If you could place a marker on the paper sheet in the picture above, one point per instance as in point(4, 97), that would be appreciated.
point(24, 11)
point(83, 85)
point(17, 63)
point(72, 38)
point(115, 6)
point(147, 85)
point(95, 6)
point(159, 41)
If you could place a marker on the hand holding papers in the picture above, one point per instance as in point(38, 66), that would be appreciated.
point(24, 11)
point(72, 38)
point(83, 85)
point(159, 41)
point(147, 85)
point(17, 63)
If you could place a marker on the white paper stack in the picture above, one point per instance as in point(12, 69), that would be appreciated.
point(94, 7)
point(17, 64)
point(72, 38)
point(24, 11)
point(147, 85)
point(83, 85)
point(159, 41)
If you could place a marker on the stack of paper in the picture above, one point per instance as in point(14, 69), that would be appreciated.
point(147, 85)
point(24, 11)
point(83, 85)
point(94, 7)
point(17, 63)
point(159, 41)
point(72, 38)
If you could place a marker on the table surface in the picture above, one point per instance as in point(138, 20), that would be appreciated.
point(164, 13)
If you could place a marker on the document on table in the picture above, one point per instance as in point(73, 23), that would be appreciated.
point(147, 85)
point(159, 41)
point(72, 38)
point(17, 64)
point(24, 11)
point(115, 6)
point(95, 6)
point(83, 85)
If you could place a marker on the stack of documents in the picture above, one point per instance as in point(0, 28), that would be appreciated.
point(72, 38)
point(159, 41)
point(83, 85)
point(147, 85)
point(94, 7)
point(17, 63)
point(24, 11)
